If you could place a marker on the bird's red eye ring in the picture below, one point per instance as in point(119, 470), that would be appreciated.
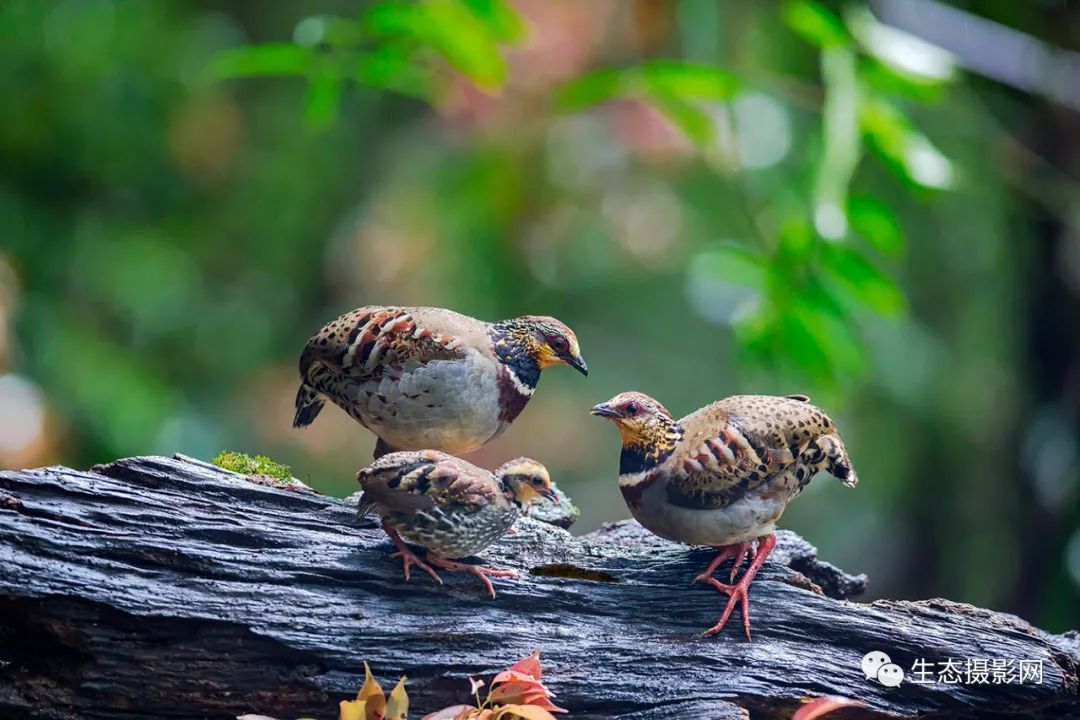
point(558, 344)
point(632, 408)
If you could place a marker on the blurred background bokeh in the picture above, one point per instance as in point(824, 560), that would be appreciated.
point(875, 204)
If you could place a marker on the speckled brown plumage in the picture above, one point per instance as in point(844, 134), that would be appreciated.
point(723, 475)
point(428, 377)
point(448, 506)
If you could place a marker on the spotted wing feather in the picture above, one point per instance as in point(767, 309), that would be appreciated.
point(405, 482)
point(360, 348)
point(740, 444)
point(367, 341)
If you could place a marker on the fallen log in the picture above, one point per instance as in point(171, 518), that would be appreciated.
point(167, 588)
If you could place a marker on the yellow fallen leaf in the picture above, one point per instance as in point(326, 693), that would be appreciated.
point(372, 694)
point(371, 687)
point(397, 707)
point(352, 710)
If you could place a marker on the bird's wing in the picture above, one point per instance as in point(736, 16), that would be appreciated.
point(738, 444)
point(722, 456)
point(424, 479)
point(363, 343)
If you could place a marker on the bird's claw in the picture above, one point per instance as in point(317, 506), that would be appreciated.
point(736, 594)
point(409, 558)
point(481, 572)
point(736, 552)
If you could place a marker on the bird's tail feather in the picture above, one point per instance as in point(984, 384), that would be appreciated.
point(308, 404)
point(837, 462)
point(365, 507)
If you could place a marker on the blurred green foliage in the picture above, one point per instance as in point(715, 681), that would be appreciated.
point(808, 287)
point(717, 197)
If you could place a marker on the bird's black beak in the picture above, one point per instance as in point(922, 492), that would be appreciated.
point(578, 363)
point(604, 410)
point(551, 495)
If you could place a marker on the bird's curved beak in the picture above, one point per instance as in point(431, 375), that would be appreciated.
point(604, 410)
point(578, 363)
point(551, 495)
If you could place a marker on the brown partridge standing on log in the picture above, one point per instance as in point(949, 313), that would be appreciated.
point(723, 475)
point(448, 506)
point(430, 378)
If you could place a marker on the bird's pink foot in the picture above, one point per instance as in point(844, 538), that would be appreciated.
point(738, 593)
point(408, 557)
point(483, 573)
point(738, 552)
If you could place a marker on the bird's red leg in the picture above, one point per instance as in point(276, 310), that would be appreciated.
point(478, 570)
point(738, 592)
point(408, 557)
point(738, 551)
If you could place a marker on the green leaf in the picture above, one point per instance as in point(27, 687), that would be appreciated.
point(876, 222)
point(393, 18)
point(387, 68)
point(665, 79)
point(338, 32)
point(592, 88)
point(322, 100)
point(687, 81)
point(735, 264)
point(890, 82)
point(815, 23)
point(449, 28)
point(861, 281)
point(502, 21)
point(465, 42)
point(795, 243)
point(829, 339)
point(262, 60)
point(907, 55)
point(802, 345)
point(690, 119)
point(892, 135)
point(840, 125)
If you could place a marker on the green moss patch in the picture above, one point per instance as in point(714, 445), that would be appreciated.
point(248, 465)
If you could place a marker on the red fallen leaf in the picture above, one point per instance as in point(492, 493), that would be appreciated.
point(514, 690)
point(528, 665)
point(523, 712)
point(541, 701)
point(509, 675)
point(822, 706)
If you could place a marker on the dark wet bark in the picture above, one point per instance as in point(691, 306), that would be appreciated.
point(156, 587)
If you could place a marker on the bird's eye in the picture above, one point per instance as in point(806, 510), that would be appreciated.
point(558, 344)
point(632, 408)
point(537, 481)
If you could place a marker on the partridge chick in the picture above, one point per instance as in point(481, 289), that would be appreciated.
point(448, 506)
point(430, 378)
point(723, 475)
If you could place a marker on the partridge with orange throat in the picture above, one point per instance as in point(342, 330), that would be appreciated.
point(723, 475)
point(448, 506)
point(423, 377)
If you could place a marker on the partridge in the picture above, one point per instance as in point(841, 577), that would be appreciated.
point(723, 475)
point(448, 506)
point(423, 378)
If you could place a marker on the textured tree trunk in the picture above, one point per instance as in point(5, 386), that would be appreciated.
point(166, 588)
